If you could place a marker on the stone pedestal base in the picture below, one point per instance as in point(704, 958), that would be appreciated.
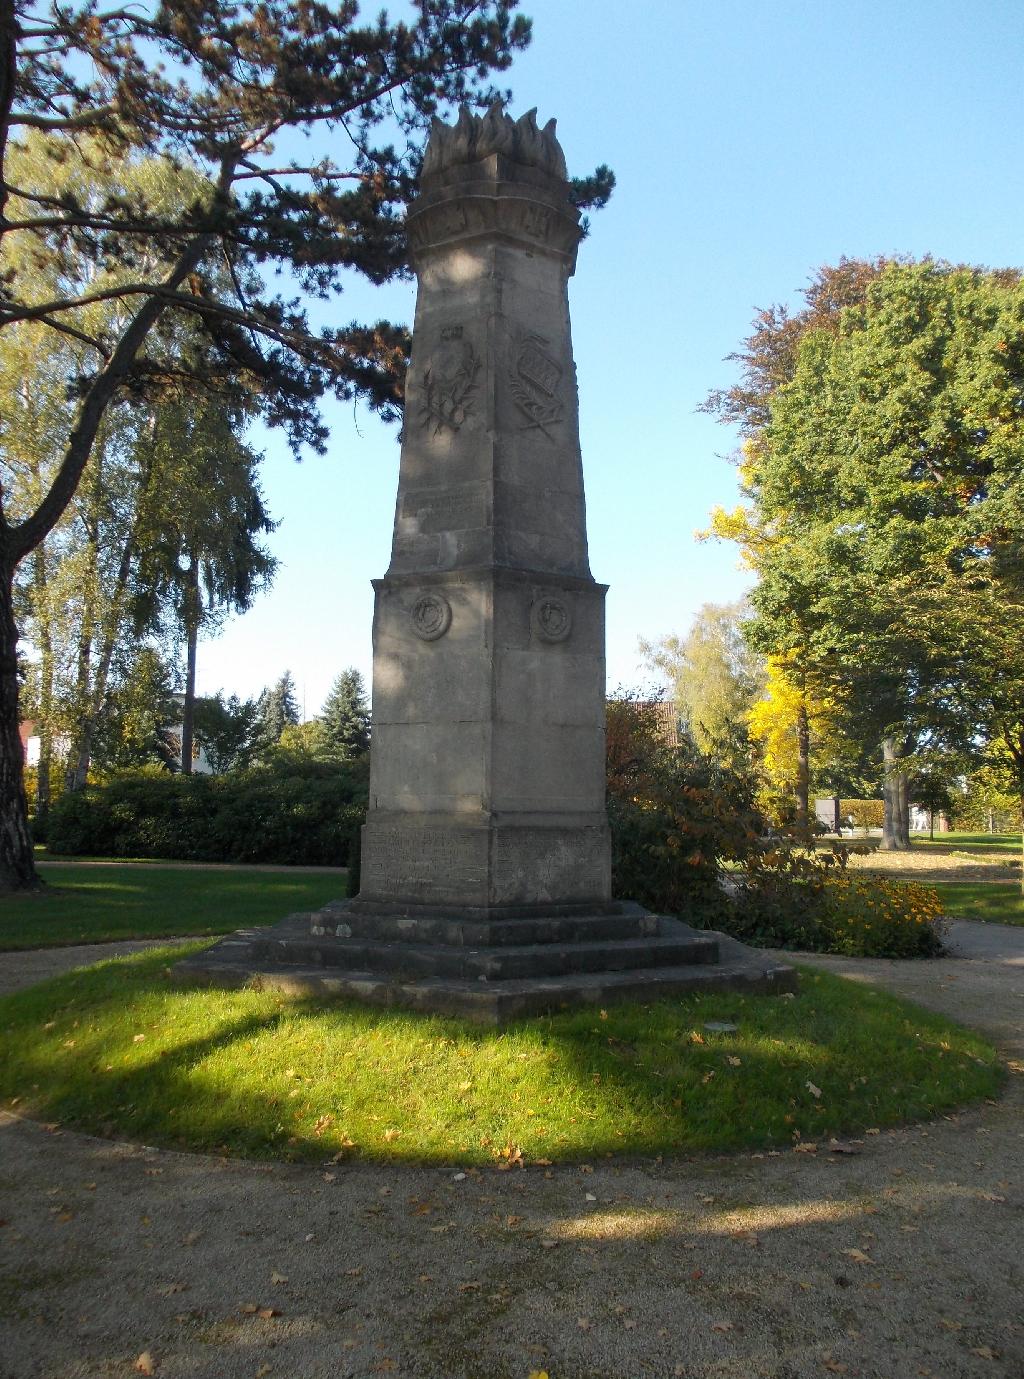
point(490, 970)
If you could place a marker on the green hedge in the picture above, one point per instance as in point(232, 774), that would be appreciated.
point(250, 816)
point(863, 813)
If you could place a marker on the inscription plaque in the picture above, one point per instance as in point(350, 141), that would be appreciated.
point(422, 859)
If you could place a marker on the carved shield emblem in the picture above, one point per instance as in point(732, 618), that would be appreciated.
point(536, 382)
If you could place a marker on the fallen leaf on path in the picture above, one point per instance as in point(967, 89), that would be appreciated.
point(836, 1366)
point(278, 1278)
point(842, 1147)
point(722, 1326)
point(805, 1147)
point(145, 1364)
point(858, 1256)
point(985, 1351)
point(169, 1288)
point(548, 1244)
point(267, 1312)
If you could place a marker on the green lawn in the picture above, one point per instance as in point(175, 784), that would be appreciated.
point(91, 904)
point(1000, 902)
point(123, 1048)
point(990, 843)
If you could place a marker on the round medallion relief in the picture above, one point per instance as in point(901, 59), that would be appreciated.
point(551, 618)
point(431, 616)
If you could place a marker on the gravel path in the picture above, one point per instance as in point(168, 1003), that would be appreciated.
point(900, 1261)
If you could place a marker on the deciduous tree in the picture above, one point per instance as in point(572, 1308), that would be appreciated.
point(714, 674)
point(885, 487)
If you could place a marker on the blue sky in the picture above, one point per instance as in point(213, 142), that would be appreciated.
point(752, 140)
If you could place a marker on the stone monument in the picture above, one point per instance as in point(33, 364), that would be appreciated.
point(487, 770)
point(486, 868)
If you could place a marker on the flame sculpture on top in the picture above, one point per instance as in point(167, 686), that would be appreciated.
point(474, 137)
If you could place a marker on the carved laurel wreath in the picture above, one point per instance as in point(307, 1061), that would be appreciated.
point(431, 616)
point(446, 396)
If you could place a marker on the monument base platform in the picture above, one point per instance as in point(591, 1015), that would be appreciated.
point(489, 970)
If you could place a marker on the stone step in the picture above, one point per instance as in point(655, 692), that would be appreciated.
point(493, 1003)
point(338, 920)
point(485, 964)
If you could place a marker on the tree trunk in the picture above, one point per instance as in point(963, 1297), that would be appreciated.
point(188, 709)
point(803, 772)
point(45, 726)
point(17, 860)
point(81, 758)
point(896, 798)
point(77, 772)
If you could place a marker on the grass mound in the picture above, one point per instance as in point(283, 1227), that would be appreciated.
point(123, 1049)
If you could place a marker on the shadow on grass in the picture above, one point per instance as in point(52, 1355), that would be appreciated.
point(124, 1049)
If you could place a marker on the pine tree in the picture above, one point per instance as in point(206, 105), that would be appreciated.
point(346, 717)
point(278, 707)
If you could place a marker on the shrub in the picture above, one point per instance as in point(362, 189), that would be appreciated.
point(676, 815)
point(248, 816)
point(825, 909)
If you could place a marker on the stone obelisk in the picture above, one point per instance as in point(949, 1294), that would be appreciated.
point(487, 791)
point(486, 877)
